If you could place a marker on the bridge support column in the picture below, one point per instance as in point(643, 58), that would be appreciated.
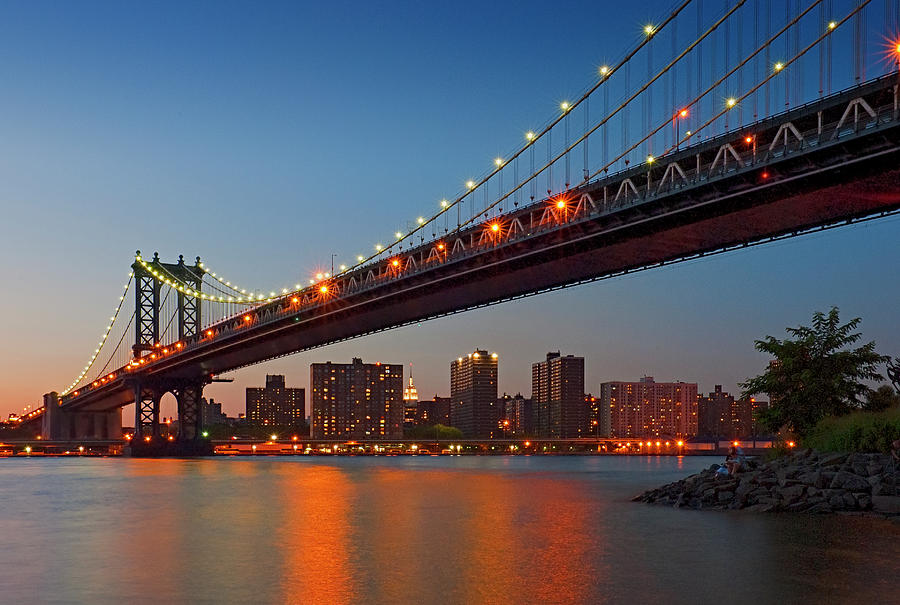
point(189, 397)
point(146, 412)
point(51, 423)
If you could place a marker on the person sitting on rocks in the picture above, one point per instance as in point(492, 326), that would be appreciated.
point(735, 459)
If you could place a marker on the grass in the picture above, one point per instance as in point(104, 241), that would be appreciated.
point(856, 432)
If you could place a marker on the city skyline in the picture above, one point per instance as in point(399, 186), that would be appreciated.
point(146, 115)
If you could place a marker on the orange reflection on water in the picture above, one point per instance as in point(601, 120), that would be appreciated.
point(315, 541)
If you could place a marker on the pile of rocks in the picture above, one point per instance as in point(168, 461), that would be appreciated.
point(806, 481)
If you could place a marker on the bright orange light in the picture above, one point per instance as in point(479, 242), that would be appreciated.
point(657, 444)
point(527, 444)
point(680, 443)
point(440, 246)
point(209, 332)
point(111, 376)
point(75, 393)
point(171, 438)
point(790, 444)
point(734, 443)
point(247, 318)
point(395, 262)
point(147, 439)
point(765, 175)
point(295, 300)
point(294, 437)
point(165, 350)
point(748, 140)
point(495, 227)
point(324, 289)
point(142, 361)
point(683, 113)
point(560, 204)
point(178, 345)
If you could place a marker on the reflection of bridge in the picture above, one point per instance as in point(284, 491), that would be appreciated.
point(829, 162)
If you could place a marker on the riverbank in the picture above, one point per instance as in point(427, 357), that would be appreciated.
point(803, 482)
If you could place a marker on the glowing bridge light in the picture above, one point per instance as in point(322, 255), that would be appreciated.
point(470, 184)
point(731, 102)
point(832, 24)
point(398, 235)
point(649, 29)
point(778, 66)
point(650, 159)
point(748, 139)
point(420, 220)
point(443, 203)
point(495, 227)
point(529, 136)
point(360, 258)
point(565, 106)
point(395, 262)
point(683, 113)
point(498, 162)
point(324, 289)
point(379, 247)
point(440, 246)
point(343, 267)
point(604, 70)
point(247, 318)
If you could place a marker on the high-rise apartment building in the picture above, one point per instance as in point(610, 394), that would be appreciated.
point(721, 415)
point(649, 409)
point(434, 411)
point(557, 392)
point(473, 394)
point(356, 400)
point(518, 420)
point(276, 404)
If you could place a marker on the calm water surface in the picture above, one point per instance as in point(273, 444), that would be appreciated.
point(402, 529)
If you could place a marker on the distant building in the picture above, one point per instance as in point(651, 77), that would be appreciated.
point(211, 413)
point(435, 411)
point(275, 404)
point(594, 415)
point(410, 403)
point(721, 415)
point(557, 390)
point(517, 415)
point(473, 394)
point(356, 400)
point(649, 409)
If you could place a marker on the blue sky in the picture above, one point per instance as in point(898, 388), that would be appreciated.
point(267, 136)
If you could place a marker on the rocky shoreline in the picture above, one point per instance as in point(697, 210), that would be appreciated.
point(804, 482)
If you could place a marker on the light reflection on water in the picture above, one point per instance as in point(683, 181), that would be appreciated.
point(425, 529)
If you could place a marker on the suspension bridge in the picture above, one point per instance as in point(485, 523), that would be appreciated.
point(748, 127)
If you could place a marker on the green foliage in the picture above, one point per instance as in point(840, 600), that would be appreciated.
point(438, 432)
point(814, 374)
point(856, 432)
point(882, 398)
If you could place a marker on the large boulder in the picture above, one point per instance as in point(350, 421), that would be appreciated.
point(850, 481)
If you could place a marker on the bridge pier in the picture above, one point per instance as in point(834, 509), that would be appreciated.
point(147, 441)
point(61, 425)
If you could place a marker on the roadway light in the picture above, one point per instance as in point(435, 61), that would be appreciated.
point(650, 159)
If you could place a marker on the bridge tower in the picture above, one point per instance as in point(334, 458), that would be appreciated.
point(148, 392)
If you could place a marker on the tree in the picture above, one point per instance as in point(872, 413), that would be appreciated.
point(882, 398)
point(814, 374)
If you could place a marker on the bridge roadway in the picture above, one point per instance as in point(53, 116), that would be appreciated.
point(826, 163)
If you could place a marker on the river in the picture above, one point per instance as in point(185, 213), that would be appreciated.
point(462, 529)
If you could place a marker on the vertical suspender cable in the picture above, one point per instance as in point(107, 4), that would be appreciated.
point(756, 59)
point(822, 51)
point(857, 42)
point(549, 155)
point(768, 54)
point(727, 61)
point(587, 125)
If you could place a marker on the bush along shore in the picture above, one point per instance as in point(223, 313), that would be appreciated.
point(804, 482)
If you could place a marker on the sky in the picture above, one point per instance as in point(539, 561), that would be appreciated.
point(265, 136)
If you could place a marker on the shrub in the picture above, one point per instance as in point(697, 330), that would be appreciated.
point(856, 432)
